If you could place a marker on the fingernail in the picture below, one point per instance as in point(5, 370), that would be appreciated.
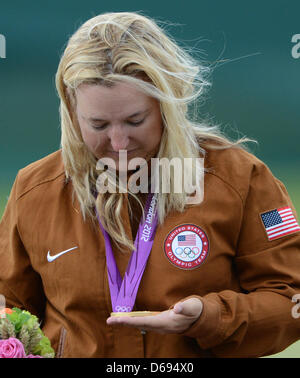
point(178, 308)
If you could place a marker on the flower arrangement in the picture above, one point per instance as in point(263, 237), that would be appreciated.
point(21, 336)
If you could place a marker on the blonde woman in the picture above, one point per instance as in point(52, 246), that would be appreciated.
point(124, 273)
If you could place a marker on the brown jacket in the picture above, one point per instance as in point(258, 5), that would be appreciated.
point(245, 280)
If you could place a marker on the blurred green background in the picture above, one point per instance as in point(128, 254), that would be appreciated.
point(255, 84)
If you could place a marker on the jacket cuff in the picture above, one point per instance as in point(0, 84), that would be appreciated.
point(208, 328)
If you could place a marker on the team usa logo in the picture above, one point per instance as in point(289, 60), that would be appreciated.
point(186, 246)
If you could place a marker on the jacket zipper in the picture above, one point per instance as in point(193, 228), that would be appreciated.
point(61, 344)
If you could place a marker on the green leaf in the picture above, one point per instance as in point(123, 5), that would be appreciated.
point(40, 344)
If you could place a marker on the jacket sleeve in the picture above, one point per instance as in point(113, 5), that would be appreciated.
point(258, 320)
point(19, 283)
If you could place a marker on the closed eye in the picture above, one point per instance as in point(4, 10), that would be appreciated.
point(102, 127)
point(136, 123)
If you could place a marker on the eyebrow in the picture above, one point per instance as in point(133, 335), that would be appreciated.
point(130, 116)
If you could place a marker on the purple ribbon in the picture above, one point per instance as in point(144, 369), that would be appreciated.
point(123, 292)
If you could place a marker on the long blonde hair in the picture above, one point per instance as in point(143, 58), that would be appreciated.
point(126, 46)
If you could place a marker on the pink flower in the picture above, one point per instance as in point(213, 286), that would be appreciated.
point(11, 348)
point(33, 356)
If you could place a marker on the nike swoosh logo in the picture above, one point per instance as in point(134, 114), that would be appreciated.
point(52, 258)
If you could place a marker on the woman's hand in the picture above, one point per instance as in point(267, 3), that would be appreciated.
point(177, 320)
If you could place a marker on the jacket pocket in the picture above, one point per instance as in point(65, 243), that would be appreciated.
point(61, 343)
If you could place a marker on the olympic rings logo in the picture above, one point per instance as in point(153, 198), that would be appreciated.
point(187, 252)
point(123, 309)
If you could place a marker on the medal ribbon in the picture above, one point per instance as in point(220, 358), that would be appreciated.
point(123, 292)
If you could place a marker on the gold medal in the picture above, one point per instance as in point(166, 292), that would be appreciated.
point(135, 313)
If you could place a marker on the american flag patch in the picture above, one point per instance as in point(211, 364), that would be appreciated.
point(187, 240)
point(279, 222)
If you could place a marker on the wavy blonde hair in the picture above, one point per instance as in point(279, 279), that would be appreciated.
point(132, 48)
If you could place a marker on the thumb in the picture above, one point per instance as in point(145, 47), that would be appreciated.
point(191, 307)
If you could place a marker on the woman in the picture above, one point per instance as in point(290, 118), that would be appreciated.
point(219, 274)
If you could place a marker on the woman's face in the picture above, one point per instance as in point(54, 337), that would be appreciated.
point(118, 118)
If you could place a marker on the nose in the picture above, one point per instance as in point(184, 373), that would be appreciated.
point(119, 138)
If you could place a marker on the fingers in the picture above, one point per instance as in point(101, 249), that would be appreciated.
point(140, 322)
point(192, 307)
point(178, 308)
point(162, 323)
point(170, 321)
point(135, 323)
